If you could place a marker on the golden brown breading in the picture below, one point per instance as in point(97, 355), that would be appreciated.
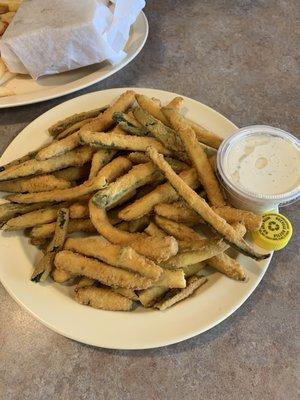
point(198, 157)
point(174, 296)
point(34, 184)
point(105, 120)
point(64, 124)
point(44, 267)
point(118, 256)
point(150, 296)
point(180, 212)
point(75, 157)
point(138, 176)
point(175, 103)
point(59, 147)
point(61, 276)
point(161, 194)
point(228, 266)
point(151, 107)
point(116, 141)
point(77, 264)
point(157, 249)
point(75, 225)
point(102, 298)
point(181, 232)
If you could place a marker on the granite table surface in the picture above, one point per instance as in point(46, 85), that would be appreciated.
point(239, 57)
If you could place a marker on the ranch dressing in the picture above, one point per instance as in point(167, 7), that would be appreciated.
point(259, 168)
point(264, 164)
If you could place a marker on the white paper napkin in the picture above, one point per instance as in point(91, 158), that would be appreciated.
point(52, 36)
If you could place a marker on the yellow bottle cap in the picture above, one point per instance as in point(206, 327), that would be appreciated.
point(275, 232)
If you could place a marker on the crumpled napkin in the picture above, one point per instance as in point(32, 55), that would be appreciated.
point(52, 36)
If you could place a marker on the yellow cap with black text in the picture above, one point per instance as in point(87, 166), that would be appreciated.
point(274, 233)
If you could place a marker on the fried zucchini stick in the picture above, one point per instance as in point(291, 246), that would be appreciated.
point(128, 293)
point(22, 159)
point(205, 136)
point(198, 157)
point(120, 141)
point(199, 205)
point(45, 265)
point(79, 210)
point(118, 256)
point(138, 176)
point(150, 296)
point(101, 222)
point(77, 264)
point(161, 194)
point(208, 250)
point(175, 103)
point(157, 249)
point(64, 145)
point(140, 158)
point(59, 147)
point(61, 276)
point(167, 136)
point(180, 212)
point(107, 174)
point(183, 245)
point(64, 124)
point(227, 266)
point(75, 225)
point(73, 128)
point(129, 124)
point(12, 210)
point(75, 157)
point(171, 279)
point(181, 232)
point(128, 117)
point(34, 184)
point(151, 107)
point(45, 216)
point(153, 230)
point(103, 156)
point(99, 160)
point(105, 120)
point(30, 219)
point(102, 298)
point(72, 173)
point(190, 270)
point(174, 296)
point(252, 221)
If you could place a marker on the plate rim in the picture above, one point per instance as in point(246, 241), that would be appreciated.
point(84, 85)
point(177, 338)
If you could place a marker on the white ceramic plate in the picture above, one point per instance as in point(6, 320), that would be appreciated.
point(52, 303)
point(29, 91)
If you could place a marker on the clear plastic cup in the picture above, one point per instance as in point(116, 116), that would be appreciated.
point(240, 196)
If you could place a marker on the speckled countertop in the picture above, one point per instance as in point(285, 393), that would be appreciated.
point(239, 57)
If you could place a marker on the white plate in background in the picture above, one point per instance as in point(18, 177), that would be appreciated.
point(52, 303)
point(30, 91)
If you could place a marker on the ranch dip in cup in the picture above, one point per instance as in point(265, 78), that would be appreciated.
point(259, 168)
